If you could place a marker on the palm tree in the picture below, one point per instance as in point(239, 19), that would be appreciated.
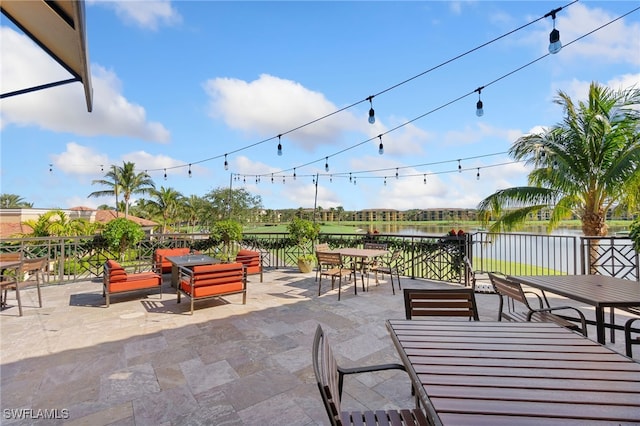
point(584, 166)
point(13, 201)
point(166, 202)
point(124, 180)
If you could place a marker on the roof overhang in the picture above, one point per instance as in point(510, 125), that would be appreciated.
point(59, 28)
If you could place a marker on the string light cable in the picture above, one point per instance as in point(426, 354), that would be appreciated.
point(459, 98)
point(368, 98)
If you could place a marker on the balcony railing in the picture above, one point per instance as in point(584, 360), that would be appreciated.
point(433, 257)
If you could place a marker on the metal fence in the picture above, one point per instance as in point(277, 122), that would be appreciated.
point(433, 257)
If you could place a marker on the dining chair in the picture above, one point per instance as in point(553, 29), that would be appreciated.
point(448, 302)
point(320, 247)
point(389, 266)
point(330, 380)
point(519, 307)
point(630, 339)
point(334, 268)
point(29, 271)
point(480, 281)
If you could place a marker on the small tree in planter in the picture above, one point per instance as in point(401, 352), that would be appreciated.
point(119, 234)
point(302, 232)
point(227, 231)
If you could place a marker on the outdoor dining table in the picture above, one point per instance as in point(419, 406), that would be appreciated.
point(599, 291)
point(188, 260)
point(360, 253)
point(515, 373)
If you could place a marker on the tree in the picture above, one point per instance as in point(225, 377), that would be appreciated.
point(166, 202)
point(227, 231)
point(122, 233)
point(584, 166)
point(57, 223)
point(13, 201)
point(124, 180)
point(232, 203)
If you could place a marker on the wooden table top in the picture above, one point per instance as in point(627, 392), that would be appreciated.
point(595, 290)
point(509, 373)
point(8, 264)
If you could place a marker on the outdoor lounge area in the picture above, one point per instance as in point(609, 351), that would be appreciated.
point(147, 361)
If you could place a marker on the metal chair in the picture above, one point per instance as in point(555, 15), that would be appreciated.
point(449, 302)
point(330, 379)
point(512, 292)
point(630, 340)
point(29, 271)
point(390, 267)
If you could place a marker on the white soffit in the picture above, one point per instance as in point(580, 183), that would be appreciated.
point(59, 28)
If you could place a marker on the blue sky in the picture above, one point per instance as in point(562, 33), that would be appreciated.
point(186, 82)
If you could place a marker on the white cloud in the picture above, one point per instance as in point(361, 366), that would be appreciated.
point(270, 106)
point(79, 160)
point(148, 14)
point(63, 108)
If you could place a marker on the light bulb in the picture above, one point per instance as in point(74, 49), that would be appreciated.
point(479, 109)
point(279, 149)
point(554, 41)
point(326, 164)
point(372, 116)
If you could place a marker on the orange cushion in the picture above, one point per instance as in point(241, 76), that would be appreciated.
point(251, 260)
point(136, 282)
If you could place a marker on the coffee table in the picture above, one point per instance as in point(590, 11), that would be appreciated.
point(188, 261)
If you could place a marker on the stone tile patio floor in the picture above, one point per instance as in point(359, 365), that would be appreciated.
point(146, 361)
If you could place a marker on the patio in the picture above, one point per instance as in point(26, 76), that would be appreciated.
point(146, 361)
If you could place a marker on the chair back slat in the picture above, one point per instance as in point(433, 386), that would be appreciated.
point(507, 288)
point(457, 302)
point(325, 368)
point(328, 258)
point(375, 246)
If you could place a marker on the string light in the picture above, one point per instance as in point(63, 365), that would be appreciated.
point(350, 178)
point(165, 174)
point(478, 174)
point(326, 164)
point(385, 181)
point(330, 178)
point(101, 167)
point(479, 106)
point(554, 36)
point(372, 113)
point(271, 177)
point(279, 145)
point(226, 163)
point(459, 167)
point(50, 168)
point(425, 179)
point(396, 173)
point(354, 180)
point(552, 13)
point(189, 169)
point(381, 147)
point(294, 173)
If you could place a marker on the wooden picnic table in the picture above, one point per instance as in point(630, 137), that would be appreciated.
point(599, 291)
point(510, 373)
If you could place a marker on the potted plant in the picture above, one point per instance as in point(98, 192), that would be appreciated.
point(303, 232)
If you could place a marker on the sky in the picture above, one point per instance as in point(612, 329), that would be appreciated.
point(186, 85)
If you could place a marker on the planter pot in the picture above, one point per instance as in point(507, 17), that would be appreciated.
point(305, 265)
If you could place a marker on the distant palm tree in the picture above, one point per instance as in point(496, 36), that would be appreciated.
point(124, 180)
point(13, 201)
point(586, 165)
point(57, 223)
point(166, 201)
